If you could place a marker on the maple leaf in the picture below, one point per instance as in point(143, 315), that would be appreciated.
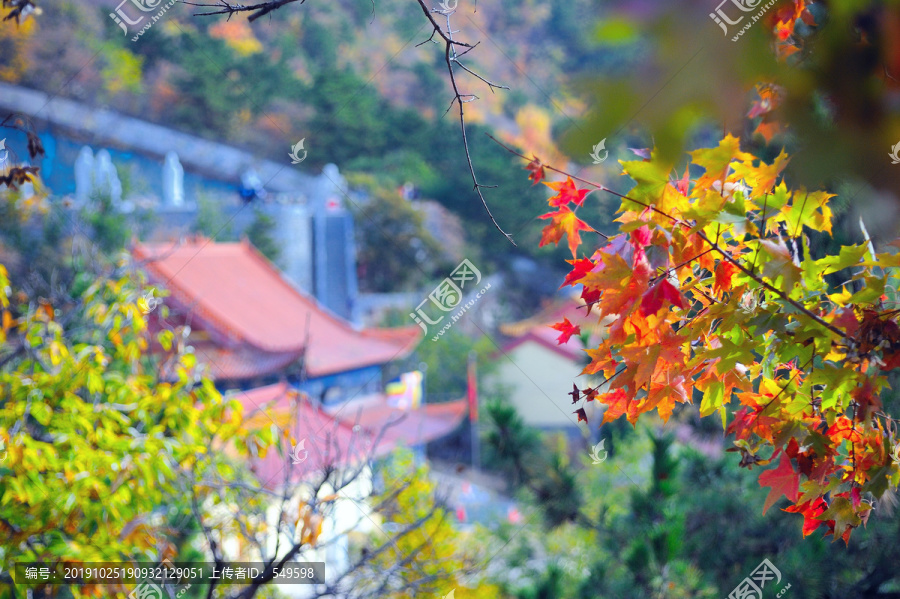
point(750, 347)
point(716, 160)
point(582, 415)
point(724, 272)
point(654, 298)
point(811, 510)
point(566, 192)
point(618, 403)
point(640, 239)
point(867, 399)
point(683, 185)
point(747, 421)
point(783, 481)
point(761, 178)
point(536, 169)
point(844, 516)
point(563, 222)
point(575, 393)
point(580, 267)
point(621, 284)
point(566, 329)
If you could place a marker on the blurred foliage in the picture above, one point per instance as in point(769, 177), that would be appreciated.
point(447, 360)
point(834, 66)
point(302, 76)
point(444, 559)
point(96, 441)
point(667, 521)
point(122, 70)
point(109, 227)
point(13, 44)
point(210, 221)
point(395, 252)
point(261, 233)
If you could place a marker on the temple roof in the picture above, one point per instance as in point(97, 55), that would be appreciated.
point(353, 432)
point(256, 320)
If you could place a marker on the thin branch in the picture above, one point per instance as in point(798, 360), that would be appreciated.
point(260, 9)
point(725, 255)
point(451, 58)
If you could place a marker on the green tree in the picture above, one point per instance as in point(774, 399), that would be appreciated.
point(261, 233)
point(109, 227)
point(210, 221)
point(395, 250)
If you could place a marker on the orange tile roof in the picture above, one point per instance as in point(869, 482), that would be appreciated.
point(231, 291)
point(402, 427)
point(334, 439)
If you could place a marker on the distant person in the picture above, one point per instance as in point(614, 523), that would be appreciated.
point(252, 186)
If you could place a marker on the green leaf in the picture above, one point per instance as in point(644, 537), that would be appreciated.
point(848, 256)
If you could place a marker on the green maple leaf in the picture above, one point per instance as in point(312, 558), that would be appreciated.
point(842, 512)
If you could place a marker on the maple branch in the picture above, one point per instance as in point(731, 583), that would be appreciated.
point(813, 316)
point(783, 389)
point(677, 266)
point(260, 9)
point(725, 255)
point(451, 58)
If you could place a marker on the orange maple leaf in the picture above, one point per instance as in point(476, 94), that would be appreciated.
point(566, 192)
point(618, 403)
point(563, 222)
point(724, 272)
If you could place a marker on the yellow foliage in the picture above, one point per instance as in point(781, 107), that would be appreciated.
point(122, 72)
point(438, 549)
point(238, 35)
point(535, 134)
point(14, 44)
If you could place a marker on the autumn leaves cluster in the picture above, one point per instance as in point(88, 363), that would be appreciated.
point(714, 292)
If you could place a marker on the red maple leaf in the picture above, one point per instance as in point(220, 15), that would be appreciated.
point(867, 400)
point(592, 296)
point(811, 511)
point(582, 415)
point(566, 192)
point(537, 171)
point(783, 481)
point(566, 329)
point(747, 421)
point(564, 222)
point(663, 291)
point(640, 239)
point(683, 185)
point(580, 267)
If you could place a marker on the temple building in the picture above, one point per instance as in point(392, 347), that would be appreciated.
point(261, 338)
point(538, 371)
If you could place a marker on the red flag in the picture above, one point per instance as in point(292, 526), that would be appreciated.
point(472, 389)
